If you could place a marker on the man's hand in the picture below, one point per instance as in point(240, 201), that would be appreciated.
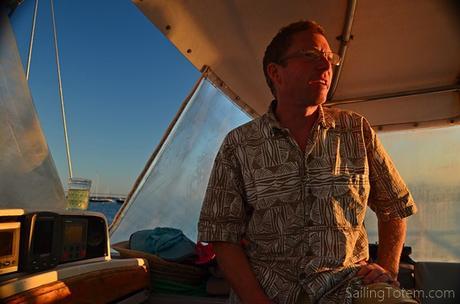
point(374, 273)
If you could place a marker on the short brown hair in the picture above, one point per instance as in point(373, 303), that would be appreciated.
point(282, 41)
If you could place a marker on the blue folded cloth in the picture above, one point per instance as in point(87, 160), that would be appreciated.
point(168, 243)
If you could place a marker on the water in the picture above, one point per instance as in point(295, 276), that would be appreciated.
point(109, 209)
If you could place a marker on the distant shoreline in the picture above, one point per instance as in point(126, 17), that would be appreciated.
point(117, 200)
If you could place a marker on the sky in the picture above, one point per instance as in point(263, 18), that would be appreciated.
point(123, 82)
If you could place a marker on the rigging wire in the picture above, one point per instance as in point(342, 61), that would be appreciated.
point(32, 38)
point(61, 95)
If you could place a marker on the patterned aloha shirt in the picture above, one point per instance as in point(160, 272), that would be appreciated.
point(302, 213)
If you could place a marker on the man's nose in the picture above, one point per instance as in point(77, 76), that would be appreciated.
point(323, 63)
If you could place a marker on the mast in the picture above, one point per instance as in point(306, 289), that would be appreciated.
point(61, 95)
point(32, 38)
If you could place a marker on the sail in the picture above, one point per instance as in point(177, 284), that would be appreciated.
point(172, 190)
point(28, 176)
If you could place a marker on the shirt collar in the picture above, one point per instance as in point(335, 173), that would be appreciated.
point(271, 117)
point(325, 118)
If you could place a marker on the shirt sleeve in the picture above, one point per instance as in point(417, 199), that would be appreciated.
point(223, 214)
point(389, 196)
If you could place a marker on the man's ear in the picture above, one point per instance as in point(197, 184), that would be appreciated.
point(274, 73)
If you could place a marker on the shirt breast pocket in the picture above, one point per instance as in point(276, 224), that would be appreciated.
point(348, 199)
point(348, 153)
point(340, 201)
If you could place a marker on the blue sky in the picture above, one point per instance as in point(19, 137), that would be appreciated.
point(123, 82)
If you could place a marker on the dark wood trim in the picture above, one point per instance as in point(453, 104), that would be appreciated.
point(100, 286)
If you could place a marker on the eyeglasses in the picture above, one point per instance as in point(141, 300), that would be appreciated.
point(315, 55)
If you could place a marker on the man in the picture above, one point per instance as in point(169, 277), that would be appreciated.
point(287, 196)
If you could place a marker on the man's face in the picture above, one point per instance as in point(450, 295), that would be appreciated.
point(301, 80)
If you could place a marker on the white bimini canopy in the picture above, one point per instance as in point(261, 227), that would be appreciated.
point(401, 58)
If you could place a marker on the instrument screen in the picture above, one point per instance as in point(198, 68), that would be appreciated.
point(43, 237)
point(6, 242)
point(73, 233)
point(74, 240)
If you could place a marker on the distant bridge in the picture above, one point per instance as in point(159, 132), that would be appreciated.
point(104, 197)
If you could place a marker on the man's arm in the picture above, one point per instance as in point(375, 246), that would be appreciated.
point(390, 199)
point(235, 265)
point(392, 234)
point(223, 221)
